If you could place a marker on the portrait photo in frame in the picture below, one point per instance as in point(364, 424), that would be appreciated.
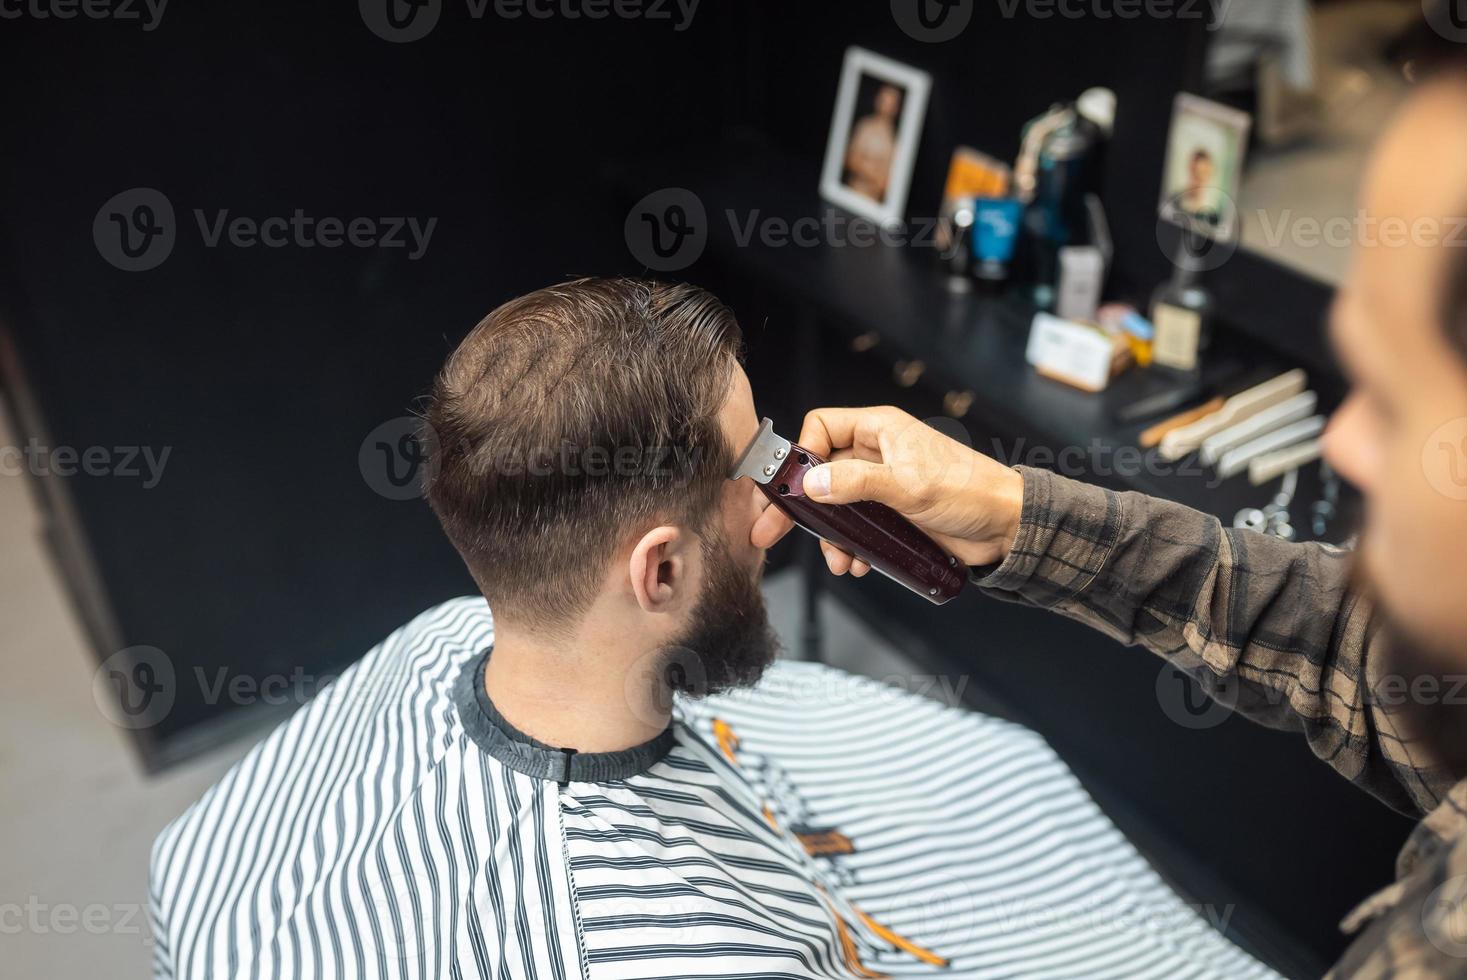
point(879, 110)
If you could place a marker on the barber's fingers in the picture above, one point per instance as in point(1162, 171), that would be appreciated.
point(769, 527)
point(829, 429)
point(840, 562)
point(857, 452)
point(773, 524)
point(847, 480)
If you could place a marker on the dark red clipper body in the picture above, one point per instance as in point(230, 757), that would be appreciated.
point(873, 532)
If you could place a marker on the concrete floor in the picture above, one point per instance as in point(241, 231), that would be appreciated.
point(77, 814)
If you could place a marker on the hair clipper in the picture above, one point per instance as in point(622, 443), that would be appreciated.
point(873, 532)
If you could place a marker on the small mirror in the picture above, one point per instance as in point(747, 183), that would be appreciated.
point(1321, 80)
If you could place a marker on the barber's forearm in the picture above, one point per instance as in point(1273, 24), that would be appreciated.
point(1151, 572)
point(1274, 626)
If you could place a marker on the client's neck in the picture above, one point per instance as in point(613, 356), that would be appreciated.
point(575, 694)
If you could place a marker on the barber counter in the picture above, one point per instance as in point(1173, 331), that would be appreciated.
point(1215, 801)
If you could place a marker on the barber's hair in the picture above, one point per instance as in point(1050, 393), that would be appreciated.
point(569, 420)
point(1425, 54)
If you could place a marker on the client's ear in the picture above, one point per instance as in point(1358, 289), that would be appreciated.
point(659, 569)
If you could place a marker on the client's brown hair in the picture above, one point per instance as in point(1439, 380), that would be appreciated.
point(570, 418)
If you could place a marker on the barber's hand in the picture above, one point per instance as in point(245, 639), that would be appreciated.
point(968, 503)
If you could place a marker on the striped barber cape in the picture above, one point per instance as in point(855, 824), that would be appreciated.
point(817, 825)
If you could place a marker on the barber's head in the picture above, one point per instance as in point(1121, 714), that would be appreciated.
point(1400, 328)
point(582, 436)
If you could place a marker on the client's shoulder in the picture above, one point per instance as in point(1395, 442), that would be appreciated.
point(428, 648)
point(390, 712)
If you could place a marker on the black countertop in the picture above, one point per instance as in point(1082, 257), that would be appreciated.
point(967, 340)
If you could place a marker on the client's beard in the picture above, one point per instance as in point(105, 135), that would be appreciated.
point(729, 641)
point(1424, 691)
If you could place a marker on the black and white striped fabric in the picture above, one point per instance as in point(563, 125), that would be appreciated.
point(819, 825)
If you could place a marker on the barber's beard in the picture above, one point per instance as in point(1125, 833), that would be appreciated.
point(728, 642)
point(1421, 687)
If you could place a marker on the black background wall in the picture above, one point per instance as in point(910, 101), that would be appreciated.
point(264, 369)
point(263, 550)
point(263, 547)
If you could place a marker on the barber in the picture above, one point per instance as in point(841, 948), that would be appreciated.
point(1333, 644)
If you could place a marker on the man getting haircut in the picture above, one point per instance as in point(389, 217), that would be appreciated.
point(583, 783)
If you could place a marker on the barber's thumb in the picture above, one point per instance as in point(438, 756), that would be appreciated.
point(847, 480)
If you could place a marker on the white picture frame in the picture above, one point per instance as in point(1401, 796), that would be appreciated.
point(1203, 128)
point(863, 101)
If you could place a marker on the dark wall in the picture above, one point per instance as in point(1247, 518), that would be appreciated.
point(262, 370)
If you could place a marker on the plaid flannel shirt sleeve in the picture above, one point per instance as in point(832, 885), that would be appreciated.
point(1272, 628)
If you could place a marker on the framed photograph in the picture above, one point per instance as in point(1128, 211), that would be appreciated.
point(1204, 167)
point(873, 136)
